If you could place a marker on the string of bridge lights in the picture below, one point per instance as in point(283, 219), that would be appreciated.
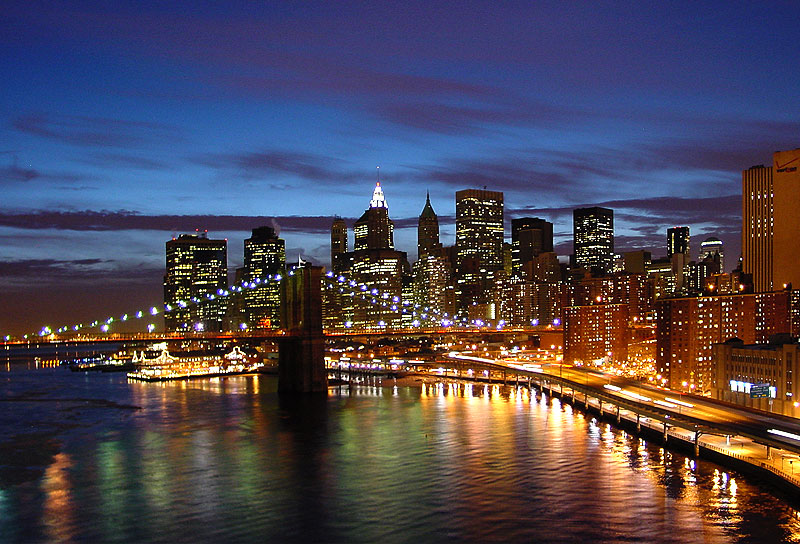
point(105, 324)
point(372, 295)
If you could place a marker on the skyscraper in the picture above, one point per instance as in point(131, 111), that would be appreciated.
point(786, 219)
point(432, 286)
point(338, 239)
point(712, 248)
point(593, 231)
point(264, 255)
point(770, 222)
point(377, 266)
point(678, 242)
point(196, 268)
point(479, 249)
point(757, 217)
point(428, 230)
point(530, 236)
point(374, 229)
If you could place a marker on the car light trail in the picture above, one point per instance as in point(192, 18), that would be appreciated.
point(784, 434)
point(676, 401)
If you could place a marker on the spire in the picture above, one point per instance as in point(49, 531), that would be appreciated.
point(427, 211)
point(378, 200)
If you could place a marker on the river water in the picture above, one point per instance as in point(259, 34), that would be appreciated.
point(92, 457)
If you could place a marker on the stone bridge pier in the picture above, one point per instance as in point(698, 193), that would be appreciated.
point(301, 356)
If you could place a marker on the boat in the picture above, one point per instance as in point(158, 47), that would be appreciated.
point(203, 365)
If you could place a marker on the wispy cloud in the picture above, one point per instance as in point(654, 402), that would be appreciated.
point(92, 131)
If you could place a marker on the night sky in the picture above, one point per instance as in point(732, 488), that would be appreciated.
point(124, 124)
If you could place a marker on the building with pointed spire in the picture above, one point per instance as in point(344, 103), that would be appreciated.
point(378, 267)
point(374, 229)
point(433, 286)
point(428, 230)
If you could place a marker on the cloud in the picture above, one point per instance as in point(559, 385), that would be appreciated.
point(446, 118)
point(126, 220)
point(262, 163)
point(69, 270)
point(92, 131)
point(111, 160)
point(14, 173)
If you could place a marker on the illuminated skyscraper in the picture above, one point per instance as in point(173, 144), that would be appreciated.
point(770, 222)
point(757, 216)
point(479, 249)
point(712, 248)
point(530, 236)
point(196, 268)
point(374, 229)
point(264, 256)
point(432, 287)
point(678, 242)
point(378, 267)
point(593, 231)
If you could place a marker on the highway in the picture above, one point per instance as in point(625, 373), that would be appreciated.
point(692, 412)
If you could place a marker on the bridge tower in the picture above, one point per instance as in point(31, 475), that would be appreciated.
point(301, 357)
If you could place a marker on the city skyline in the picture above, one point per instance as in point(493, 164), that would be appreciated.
point(120, 133)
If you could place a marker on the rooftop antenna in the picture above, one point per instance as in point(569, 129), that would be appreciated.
point(379, 174)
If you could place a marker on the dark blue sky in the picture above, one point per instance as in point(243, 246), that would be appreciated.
point(125, 123)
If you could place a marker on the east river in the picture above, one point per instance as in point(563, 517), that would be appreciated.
point(90, 457)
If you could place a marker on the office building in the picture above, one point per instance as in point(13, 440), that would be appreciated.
point(770, 222)
point(377, 267)
point(593, 234)
point(479, 250)
point(196, 269)
point(432, 285)
point(374, 229)
point(428, 231)
point(338, 240)
point(530, 236)
point(264, 258)
point(678, 242)
point(711, 248)
point(738, 367)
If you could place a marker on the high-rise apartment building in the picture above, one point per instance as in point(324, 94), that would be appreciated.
point(530, 236)
point(593, 231)
point(596, 334)
point(687, 328)
point(196, 268)
point(264, 256)
point(479, 249)
point(678, 242)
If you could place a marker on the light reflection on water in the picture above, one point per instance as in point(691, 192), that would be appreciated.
point(208, 459)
